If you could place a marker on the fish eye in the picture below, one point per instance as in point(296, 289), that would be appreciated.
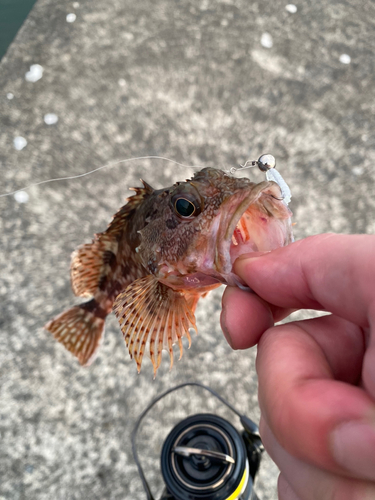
point(186, 201)
point(184, 207)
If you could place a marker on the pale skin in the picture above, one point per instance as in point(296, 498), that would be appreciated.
point(317, 376)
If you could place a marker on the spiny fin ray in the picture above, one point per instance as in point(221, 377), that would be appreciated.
point(153, 317)
point(90, 263)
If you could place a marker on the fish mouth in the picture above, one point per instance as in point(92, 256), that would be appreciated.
point(252, 221)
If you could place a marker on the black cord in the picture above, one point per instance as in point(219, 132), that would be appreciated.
point(144, 413)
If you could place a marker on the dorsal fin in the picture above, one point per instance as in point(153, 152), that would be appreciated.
point(90, 262)
point(133, 202)
point(149, 189)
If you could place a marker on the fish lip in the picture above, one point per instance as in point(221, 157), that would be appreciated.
point(241, 202)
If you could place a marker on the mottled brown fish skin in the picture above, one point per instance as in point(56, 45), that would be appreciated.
point(156, 259)
point(102, 269)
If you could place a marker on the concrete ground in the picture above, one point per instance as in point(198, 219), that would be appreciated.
point(196, 81)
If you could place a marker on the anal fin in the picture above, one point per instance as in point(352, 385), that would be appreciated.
point(153, 317)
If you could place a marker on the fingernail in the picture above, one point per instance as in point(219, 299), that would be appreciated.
point(227, 336)
point(225, 331)
point(252, 255)
point(353, 446)
point(224, 326)
point(241, 261)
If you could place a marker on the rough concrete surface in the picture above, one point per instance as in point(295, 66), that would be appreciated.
point(187, 80)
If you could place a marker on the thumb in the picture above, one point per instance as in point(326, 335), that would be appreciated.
point(327, 272)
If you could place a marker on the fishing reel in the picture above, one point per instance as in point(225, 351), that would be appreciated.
point(205, 457)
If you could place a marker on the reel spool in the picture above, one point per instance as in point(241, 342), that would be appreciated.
point(205, 458)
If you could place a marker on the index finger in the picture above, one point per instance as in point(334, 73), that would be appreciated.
point(328, 272)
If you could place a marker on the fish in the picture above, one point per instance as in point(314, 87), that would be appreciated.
point(164, 250)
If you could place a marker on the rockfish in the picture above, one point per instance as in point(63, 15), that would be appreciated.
point(163, 250)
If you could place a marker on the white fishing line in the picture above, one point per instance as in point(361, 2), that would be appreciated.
point(247, 164)
point(108, 165)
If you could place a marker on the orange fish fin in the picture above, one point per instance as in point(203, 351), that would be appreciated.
point(153, 317)
point(91, 263)
point(192, 296)
point(192, 300)
point(80, 330)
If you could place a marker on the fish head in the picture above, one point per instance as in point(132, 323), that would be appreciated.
point(199, 227)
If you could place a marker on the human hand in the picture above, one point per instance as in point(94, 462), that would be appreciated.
point(316, 377)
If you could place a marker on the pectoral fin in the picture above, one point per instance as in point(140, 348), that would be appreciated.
point(153, 317)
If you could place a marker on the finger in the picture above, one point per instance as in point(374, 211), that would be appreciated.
point(245, 317)
point(285, 491)
point(342, 343)
point(308, 482)
point(368, 370)
point(316, 418)
point(329, 272)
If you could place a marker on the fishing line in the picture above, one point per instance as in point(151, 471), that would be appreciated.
point(107, 165)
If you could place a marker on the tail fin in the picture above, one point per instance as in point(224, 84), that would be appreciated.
point(80, 329)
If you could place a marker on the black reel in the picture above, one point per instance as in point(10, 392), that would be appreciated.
point(205, 458)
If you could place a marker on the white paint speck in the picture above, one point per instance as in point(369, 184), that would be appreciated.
point(291, 8)
point(21, 197)
point(357, 170)
point(10, 96)
point(19, 143)
point(50, 118)
point(122, 82)
point(266, 40)
point(345, 59)
point(70, 18)
point(75, 5)
point(35, 73)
